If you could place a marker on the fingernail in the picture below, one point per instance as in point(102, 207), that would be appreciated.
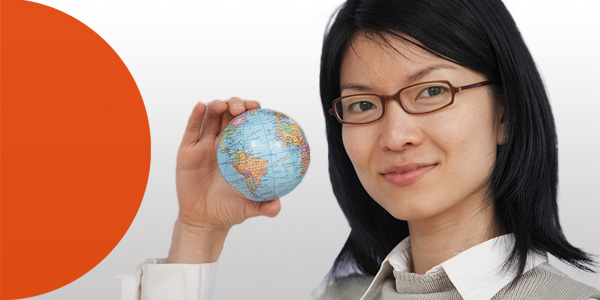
point(238, 106)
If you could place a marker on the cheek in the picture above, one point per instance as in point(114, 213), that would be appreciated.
point(470, 144)
point(358, 142)
point(351, 142)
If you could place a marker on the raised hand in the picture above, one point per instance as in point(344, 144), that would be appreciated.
point(208, 207)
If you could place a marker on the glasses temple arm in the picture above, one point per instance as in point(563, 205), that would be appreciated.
point(474, 85)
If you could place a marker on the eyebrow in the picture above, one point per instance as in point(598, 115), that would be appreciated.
point(354, 86)
point(412, 78)
point(423, 72)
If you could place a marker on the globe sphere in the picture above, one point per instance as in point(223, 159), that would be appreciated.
point(263, 154)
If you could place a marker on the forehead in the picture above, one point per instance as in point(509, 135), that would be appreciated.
point(388, 45)
point(378, 58)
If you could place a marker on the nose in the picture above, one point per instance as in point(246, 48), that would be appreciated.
point(399, 129)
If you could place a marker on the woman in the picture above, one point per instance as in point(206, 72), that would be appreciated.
point(439, 128)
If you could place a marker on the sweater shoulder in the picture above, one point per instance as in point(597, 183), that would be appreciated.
point(547, 282)
point(346, 287)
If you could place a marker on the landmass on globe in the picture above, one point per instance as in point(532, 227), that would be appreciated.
point(263, 154)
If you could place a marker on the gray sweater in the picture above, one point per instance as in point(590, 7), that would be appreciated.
point(542, 282)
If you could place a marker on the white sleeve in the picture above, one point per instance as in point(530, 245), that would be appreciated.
point(155, 280)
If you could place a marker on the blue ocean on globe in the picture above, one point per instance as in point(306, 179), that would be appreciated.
point(263, 154)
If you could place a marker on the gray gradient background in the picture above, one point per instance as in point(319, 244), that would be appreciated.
point(180, 52)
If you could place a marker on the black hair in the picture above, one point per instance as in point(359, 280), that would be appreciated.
point(480, 35)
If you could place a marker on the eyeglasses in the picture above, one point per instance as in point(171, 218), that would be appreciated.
point(420, 98)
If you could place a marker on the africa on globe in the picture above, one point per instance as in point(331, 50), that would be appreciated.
point(263, 154)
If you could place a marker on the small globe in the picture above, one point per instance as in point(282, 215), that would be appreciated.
point(263, 154)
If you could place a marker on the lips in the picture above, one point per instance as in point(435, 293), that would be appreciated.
point(407, 173)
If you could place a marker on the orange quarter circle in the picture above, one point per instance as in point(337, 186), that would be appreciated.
point(75, 149)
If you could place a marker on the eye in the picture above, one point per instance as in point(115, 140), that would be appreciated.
point(361, 106)
point(432, 91)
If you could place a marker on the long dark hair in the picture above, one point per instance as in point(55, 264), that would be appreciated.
point(480, 35)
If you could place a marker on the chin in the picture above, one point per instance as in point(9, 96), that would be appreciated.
point(410, 216)
point(413, 209)
point(406, 212)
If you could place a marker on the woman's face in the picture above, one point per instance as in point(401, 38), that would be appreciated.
point(419, 166)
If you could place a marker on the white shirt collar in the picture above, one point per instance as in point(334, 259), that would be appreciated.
point(476, 272)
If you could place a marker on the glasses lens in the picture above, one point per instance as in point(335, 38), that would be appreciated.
point(359, 108)
point(426, 97)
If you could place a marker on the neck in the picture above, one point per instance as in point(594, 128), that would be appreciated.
point(438, 238)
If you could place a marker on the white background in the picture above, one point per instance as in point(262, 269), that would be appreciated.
point(181, 52)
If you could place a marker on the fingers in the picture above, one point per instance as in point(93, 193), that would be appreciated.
point(209, 120)
point(192, 130)
point(211, 125)
point(236, 107)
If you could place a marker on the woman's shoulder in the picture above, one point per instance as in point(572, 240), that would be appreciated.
point(547, 282)
point(344, 287)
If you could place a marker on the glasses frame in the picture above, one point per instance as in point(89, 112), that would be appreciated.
point(396, 96)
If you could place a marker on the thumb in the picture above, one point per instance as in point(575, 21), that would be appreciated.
point(270, 208)
point(263, 208)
